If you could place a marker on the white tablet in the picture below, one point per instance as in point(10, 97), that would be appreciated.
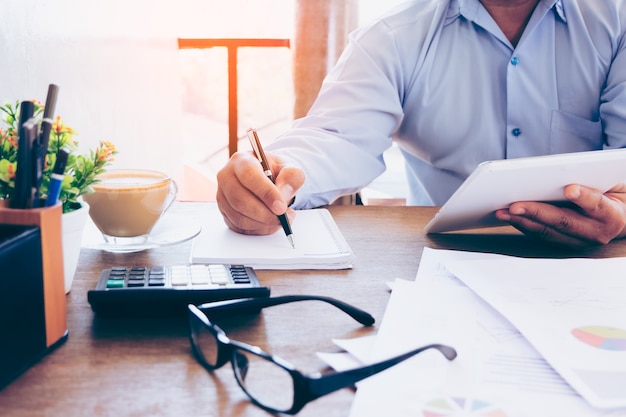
point(497, 184)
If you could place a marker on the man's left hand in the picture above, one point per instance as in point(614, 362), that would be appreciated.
point(592, 218)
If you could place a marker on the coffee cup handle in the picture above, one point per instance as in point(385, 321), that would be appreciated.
point(171, 196)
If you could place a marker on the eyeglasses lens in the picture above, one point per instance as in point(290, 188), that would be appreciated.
point(204, 342)
point(269, 384)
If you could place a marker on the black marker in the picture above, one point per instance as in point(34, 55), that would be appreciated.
point(48, 116)
point(43, 138)
point(24, 171)
point(30, 129)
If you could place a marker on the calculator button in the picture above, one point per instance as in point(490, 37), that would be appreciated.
point(200, 275)
point(219, 274)
point(136, 275)
point(157, 270)
point(219, 277)
point(239, 275)
point(179, 277)
point(156, 282)
point(115, 283)
point(156, 277)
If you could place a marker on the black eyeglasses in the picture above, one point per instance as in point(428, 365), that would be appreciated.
point(270, 382)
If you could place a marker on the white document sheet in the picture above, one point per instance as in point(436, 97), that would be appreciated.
point(497, 372)
point(356, 352)
point(573, 311)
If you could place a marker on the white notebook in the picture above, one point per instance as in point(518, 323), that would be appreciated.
point(319, 244)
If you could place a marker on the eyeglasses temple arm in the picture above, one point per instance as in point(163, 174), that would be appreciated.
point(326, 384)
point(252, 304)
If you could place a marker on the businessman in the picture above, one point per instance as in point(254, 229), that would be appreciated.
point(455, 83)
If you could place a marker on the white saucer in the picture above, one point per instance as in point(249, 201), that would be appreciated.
point(171, 229)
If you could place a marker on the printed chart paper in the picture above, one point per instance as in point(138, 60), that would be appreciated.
point(573, 311)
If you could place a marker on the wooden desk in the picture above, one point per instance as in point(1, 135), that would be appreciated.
point(144, 367)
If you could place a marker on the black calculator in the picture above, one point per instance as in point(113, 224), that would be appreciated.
point(168, 289)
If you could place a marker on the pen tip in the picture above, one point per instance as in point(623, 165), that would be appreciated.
point(290, 237)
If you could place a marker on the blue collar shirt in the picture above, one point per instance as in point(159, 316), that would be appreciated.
point(441, 79)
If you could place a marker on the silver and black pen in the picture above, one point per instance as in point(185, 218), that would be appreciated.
point(260, 155)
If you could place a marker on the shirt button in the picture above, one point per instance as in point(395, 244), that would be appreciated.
point(516, 132)
point(515, 60)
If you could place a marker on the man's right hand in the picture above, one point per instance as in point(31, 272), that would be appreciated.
point(248, 200)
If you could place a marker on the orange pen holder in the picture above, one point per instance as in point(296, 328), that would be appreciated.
point(32, 297)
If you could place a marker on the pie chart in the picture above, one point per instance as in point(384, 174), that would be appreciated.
point(461, 407)
point(602, 337)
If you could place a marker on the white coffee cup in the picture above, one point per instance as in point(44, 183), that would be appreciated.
point(127, 203)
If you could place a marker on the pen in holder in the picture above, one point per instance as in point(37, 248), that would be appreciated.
point(32, 299)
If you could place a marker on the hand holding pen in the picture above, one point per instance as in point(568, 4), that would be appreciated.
point(260, 155)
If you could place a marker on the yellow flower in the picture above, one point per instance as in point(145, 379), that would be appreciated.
point(80, 172)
